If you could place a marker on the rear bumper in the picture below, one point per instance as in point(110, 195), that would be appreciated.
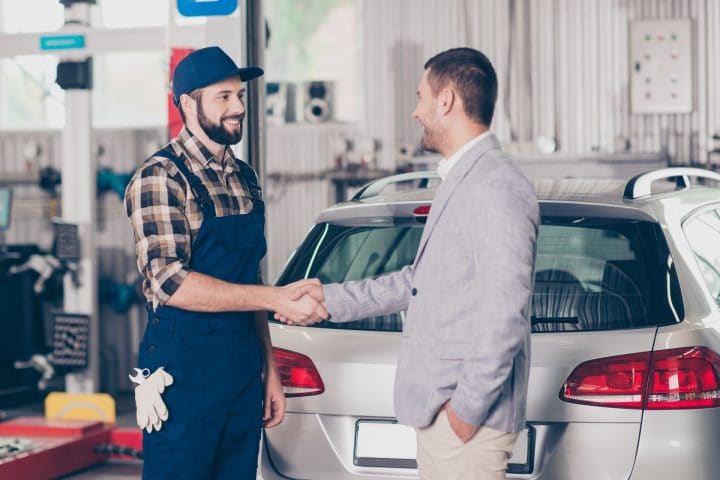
point(317, 447)
point(679, 444)
point(267, 470)
point(310, 446)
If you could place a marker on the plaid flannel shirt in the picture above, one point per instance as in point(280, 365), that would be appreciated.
point(165, 216)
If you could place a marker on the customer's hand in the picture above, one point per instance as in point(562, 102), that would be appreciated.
point(299, 309)
point(464, 431)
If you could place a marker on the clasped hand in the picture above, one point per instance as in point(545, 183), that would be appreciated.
point(301, 303)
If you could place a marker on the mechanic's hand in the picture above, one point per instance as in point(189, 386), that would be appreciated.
point(464, 431)
point(305, 310)
point(304, 288)
point(274, 399)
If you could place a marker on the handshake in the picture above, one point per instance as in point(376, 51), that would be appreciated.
point(301, 303)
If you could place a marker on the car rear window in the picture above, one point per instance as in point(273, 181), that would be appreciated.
point(591, 273)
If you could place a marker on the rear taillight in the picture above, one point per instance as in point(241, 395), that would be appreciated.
point(665, 379)
point(684, 378)
point(298, 374)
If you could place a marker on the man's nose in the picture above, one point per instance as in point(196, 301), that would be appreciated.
point(238, 106)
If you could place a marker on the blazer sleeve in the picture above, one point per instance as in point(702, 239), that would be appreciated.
point(382, 295)
point(503, 238)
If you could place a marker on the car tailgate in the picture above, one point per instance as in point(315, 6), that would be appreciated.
point(358, 367)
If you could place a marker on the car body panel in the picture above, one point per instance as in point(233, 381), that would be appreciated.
point(679, 444)
point(553, 358)
point(357, 368)
point(311, 446)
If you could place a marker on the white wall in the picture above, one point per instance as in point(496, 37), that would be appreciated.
point(567, 77)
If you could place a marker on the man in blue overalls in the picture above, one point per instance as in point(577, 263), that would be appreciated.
point(198, 218)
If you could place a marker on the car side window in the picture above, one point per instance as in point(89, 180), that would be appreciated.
point(369, 252)
point(365, 252)
point(703, 234)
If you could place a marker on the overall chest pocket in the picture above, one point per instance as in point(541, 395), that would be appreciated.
point(238, 233)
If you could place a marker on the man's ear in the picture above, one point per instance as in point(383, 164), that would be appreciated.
point(187, 103)
point(447, 98)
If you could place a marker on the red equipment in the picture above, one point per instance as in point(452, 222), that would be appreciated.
point(34, 448)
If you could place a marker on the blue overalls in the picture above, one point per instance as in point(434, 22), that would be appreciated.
point(216, 359)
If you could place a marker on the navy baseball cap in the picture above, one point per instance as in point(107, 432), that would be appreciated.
point(207, 66)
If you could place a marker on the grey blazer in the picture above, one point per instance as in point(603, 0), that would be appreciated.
point(466, 334)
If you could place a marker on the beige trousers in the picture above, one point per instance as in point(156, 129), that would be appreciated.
point(441, 455)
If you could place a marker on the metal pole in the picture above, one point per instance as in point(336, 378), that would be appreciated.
point(79, 204)
point(256, 138)
point(255, 51)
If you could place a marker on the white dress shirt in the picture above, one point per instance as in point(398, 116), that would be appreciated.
point(446, 164)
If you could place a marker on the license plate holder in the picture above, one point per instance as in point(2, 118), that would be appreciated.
point(387, 444)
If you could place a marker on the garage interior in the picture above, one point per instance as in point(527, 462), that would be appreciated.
point(591, 89)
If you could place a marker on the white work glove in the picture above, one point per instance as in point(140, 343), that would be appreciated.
point(151, 410)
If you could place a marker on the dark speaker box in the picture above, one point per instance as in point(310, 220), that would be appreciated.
point(318, 101)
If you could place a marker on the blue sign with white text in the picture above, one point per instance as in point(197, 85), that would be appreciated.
point(201, 8)
point(62, 42)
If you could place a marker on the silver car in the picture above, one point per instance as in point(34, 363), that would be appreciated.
point(625, 375)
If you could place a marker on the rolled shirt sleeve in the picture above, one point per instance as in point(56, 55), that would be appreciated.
point(155, 205)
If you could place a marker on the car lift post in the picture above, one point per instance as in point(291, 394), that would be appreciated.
point(79, 197)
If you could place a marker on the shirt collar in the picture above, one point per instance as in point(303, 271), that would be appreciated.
point(195, 150)
point(446, 164)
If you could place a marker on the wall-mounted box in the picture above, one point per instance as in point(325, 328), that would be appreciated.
point(661, 68)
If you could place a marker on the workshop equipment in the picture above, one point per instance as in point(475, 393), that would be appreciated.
point(36, 448)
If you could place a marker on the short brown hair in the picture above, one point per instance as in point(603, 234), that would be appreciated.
point(473, 76)
point(195, 95)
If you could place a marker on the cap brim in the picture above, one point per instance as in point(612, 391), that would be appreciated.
point(249, 73)
point(245, 74)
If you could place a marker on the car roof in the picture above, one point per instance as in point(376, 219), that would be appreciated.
point(557, 197)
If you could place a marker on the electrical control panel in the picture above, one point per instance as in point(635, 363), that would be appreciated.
point(661, 68)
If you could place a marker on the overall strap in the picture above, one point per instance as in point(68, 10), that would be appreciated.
point(199, 190)
point(250, 178)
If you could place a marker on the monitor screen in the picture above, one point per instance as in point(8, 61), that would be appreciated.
point(5, 206)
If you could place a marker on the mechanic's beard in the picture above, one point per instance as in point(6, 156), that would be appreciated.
point(216, 131)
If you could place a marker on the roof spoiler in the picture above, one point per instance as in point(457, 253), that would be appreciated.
point(639, 185)
point(373, 189)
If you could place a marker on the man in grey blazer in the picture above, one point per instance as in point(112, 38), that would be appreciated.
point(463, 367)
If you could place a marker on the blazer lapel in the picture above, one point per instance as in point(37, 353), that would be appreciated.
point(447, 187)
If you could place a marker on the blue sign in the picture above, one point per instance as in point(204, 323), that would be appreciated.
point(62, 42)
point(201, 8)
